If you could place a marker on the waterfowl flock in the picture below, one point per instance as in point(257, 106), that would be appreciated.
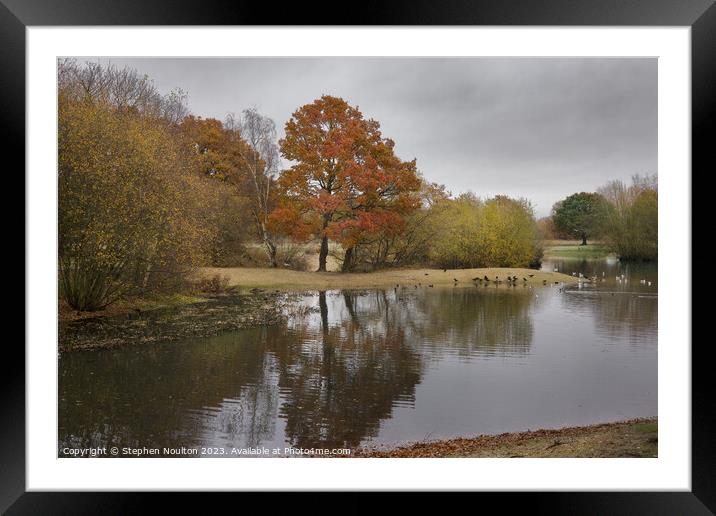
point(512, 280)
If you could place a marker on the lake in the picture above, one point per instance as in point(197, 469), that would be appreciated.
point(381, 367)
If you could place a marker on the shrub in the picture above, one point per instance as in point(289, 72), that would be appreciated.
point(216, 284)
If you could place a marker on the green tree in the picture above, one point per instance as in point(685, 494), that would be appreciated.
point(581, 215)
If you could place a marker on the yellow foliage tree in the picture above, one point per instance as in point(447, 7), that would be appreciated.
point(127, 203)
point(498, 232)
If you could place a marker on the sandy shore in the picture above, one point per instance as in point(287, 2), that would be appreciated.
point(631, 438)
point(285, 279)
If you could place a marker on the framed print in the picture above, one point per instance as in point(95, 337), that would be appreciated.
point(413, 250)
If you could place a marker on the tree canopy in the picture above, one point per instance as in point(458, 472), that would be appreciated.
point(345, 183)
point(580, 215)
point(632, 218)
point(497, 232)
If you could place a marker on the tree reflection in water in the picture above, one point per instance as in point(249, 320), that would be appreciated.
point(617, 314)
point(325, 379)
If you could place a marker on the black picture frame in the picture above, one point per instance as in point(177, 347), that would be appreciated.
point(700, 15)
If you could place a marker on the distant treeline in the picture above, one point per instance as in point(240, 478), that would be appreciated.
point(148, 192)
point(624, 216)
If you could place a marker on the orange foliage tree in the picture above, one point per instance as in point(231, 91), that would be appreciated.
point(239, 154)
point(346, 182)
point(218, 154)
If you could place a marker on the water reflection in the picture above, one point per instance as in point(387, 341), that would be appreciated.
point(338, 388)
point(610, 273)
point(623, 301)
point(378, 365)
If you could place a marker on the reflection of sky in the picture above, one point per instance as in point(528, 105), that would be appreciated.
point(574, 374)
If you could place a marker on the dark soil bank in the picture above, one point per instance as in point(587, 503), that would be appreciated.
point(217, 315)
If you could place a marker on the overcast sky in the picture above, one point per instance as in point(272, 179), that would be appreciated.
point(540, 128)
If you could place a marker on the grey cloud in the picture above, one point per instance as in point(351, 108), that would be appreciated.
point(539, 128)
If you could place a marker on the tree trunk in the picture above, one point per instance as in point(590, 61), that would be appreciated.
point(348, 261)
point(584, 239)
point(323, 306)
point(324, 246)
point(323, 255)
point(270, 252)
point(269, 246)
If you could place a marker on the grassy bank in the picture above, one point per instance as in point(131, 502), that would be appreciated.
point(632, 438)
point(573, 249)
point(284, 279)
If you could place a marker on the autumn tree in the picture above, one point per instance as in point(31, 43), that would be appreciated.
point(498, 232)
point(121, 88)
point(212, 146)
point(221, 154)
point(508, 233)
point(345, 182)
point(241, 153)
point(127, 201)
point(260, 157)
point(410, 242)
point(580, 215)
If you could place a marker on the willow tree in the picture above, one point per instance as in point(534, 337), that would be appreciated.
point(345, 181)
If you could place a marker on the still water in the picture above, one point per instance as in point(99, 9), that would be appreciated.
point(382, 367)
